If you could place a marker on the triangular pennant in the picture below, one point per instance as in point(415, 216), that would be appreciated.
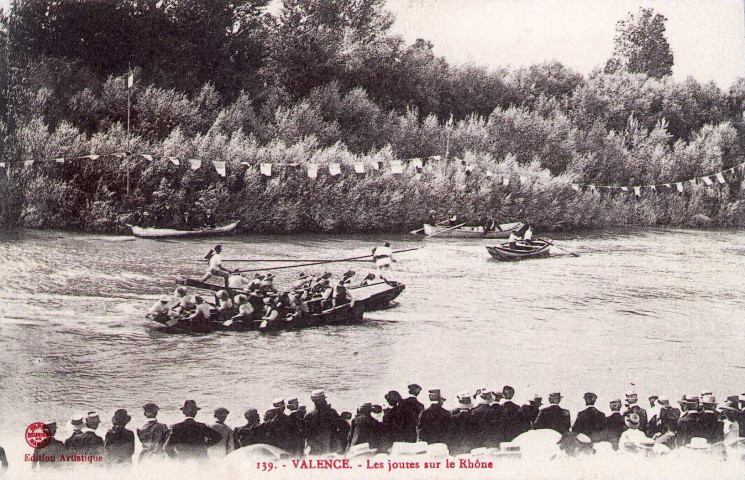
point(149, 158)
point(720, 178)
point(653, 188)
point(523, 179)
point(245, 164)
point(707, 180)
point(265, 169)
point(2, 164)
point(219, 167)
point(417, 163)
point(575, 187)
point(669, 186)
point(624, 189)
point(592, 188)
point(59, 160)
point(638, 191)
point(359, 168)
point(693, 181)
point(28, 163)
point(505, 181)
point(130, 79)
point(679, 186)
point(174, 160)
point(396, 167)
point(334, 169)
point(312, 170)
point(195, 163)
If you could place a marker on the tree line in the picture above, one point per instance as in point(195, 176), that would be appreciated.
point(326, 81)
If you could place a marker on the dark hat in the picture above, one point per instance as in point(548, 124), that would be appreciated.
point(251, 412)
point(217, 246)
point(221, 410)
point(590, 395)
point(346, 415)
point(151, 407)
point(414, 386)
point(377, 409)
point(435, 395)
point(189, 404)
point(121, 417)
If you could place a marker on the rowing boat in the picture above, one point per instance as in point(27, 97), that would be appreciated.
point(539, 248)
point(503, 231)
point(144, 232)
point(341, 315)
point(373, 296)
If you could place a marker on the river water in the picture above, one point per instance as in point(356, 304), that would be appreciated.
point(655, 310)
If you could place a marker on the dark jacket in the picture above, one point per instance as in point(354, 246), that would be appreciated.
point(152, 435)
point(119, 445)
point(366, 429)
point(465, 432)
point(512, 424)
point(190, 439)
point(614, 427)
point(54, 448)
point(433, 424)
point(643, 418)
point(413, 404)
point(248, 435)
point(553, 417)
point(400, 424)
point(85, 443)
point(591, 422)
point(525, 418)
point(712, 428)
point(490, 422)
point(689, 426)
point(324, 427)
point(283, 432)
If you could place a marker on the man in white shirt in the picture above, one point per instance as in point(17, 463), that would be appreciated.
point(383, 257)
point(216, 268)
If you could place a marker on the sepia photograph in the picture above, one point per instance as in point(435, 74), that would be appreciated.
point(379, 239)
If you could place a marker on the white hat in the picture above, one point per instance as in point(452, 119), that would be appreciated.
point(360, 449)
point(318, 394)
point(698, 443)
point(631, 393)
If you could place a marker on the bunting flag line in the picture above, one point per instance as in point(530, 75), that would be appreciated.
point(219, 167)
point(707, 180)
point(195, 163)
point(266, 169)
point(720, 178)
point(59, 160)
point(506, 181)
point(149, 158)
point(417, 163)
point(679, 186)
point(638, 191)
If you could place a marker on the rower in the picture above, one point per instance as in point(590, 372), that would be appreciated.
point(432, 220)
point(202, 312)
point(184, 302)
point(254, 284)
point(452, 219)
point(245, 309)
point(368, 279)
point(514, 238)
point(303, 279)
point(236, 281)
point(383, 257)
point(271, 313)
point(342, 296)
point(216, 268)
point(160, 309)
point(347, 278)
point(223, 303)
point(528, 235)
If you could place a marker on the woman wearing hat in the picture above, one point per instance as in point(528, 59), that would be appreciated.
point(119, 443)
point(633, 436)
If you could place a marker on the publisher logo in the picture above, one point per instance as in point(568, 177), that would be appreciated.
point(38, 435)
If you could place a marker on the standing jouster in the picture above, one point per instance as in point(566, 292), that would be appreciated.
point(383, 257)
point(216, 268)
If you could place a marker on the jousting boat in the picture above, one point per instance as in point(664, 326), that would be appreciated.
point(144, 232)
point(538, 249)
point(503, 231)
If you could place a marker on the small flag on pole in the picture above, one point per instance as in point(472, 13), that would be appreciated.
point(219, 167)
point(334, 169)
point(720, 178)
point(266, 169)
point(195, 163)
point(130, 79)
point(312, 170)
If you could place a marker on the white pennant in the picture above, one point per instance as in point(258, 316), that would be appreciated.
point(505, 181)
point(28, 163)
point(653, 188)
point(92, 157)
point(575, 187)
point(59, 160)
point(266, 169)
point(638, 191)
point(592, 188)
point(174, 160)
point(219, 167)
point(195, 163)
point(720, 177)
point(679, 186)
point(488, 174)
point(693, 181)
point(312, 170)
point(359, 167)
point(707, 180)
point(396, 167)
point(334, 169)
point(149, 158)
point(436, 157)
point(417, 162)
point(624, 189)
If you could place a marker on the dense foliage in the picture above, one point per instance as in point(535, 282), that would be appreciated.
point(325, 81)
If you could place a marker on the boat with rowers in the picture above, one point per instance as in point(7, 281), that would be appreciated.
point(537, 248)
point(463, 231)
point(155, 233)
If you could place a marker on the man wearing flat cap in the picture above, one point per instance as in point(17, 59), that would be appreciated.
point(54, 448)
point(282, 432)
point(88, 442)
point(411, 402)
point(226, 444)
point(152, 434)
point(251, 433)
point(553, 416)
point(119, 443)
point(614, 423)
point(590, 421)
point(434, 421)
point(190, 439)
point(323, 427)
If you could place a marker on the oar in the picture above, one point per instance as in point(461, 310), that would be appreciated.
point(446, 230)
point(321, 262)
point(558, 247)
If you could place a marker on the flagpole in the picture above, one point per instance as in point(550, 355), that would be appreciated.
point(129, 105)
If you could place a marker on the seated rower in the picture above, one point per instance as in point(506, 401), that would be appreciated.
point(159, 311)
point(347, 278)
point(184, 302)
point(245, 309)
point(267, 285)
point(255, 283)
point(342, 296)
point(302, 281)
point(203, 312)
point(236, 281)
point(452, 219)
point(528, 235)
point(327, 294)
point(223, 304)
point(271, 312)
point(514, 238)
point(370, 278)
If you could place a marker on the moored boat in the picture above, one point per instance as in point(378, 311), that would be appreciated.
point(537, 249)
point(502, 231)
point(145, 232)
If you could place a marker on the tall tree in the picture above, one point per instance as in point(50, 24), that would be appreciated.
point(641, 46)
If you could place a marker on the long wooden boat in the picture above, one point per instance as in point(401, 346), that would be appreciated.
point(503, 231)
point(341, 315)
point(503, 252)
point(373, 296)
point(143, 232)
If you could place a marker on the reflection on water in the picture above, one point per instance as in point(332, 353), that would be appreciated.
point(656, 309)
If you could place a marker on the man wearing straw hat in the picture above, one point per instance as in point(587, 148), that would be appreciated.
point(712, 426)
point(689, 424)
point(88, 442)
point(190, 439)
point(323, 427)
point(465, 429)
point(488, 412)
